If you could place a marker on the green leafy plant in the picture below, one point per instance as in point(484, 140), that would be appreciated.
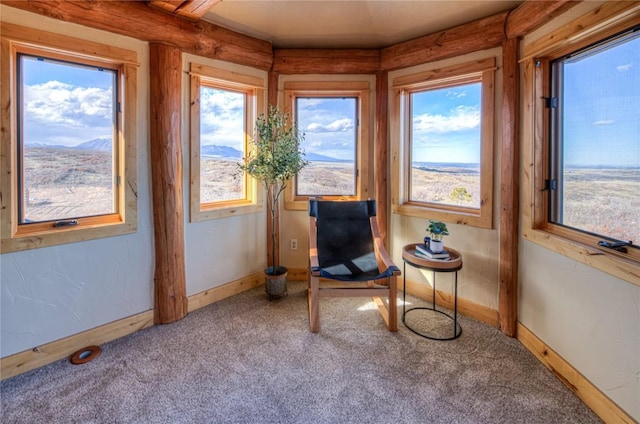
point(437, 229)
point(275, 159)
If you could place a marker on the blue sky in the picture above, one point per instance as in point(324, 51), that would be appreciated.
point(446, 124)
point(66, 105)
point(602, 107)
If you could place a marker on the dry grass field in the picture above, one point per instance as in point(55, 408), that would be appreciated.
point(64, 183)
point(604, 201)
point(446, 184)
point(67, 183)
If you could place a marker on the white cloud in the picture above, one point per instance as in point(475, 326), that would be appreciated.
point(222, 118)
point(340, 125)
point(624, 68)
point(67, 114)
point(603, 122)
point(461, 118)
point(57, 103)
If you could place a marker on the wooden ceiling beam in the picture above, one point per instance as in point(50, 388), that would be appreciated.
point(477, 35)
point(326, 61)
point(195, 9)
point(190, 9)
point(135, 19)
point(532, 14)
point(166, 5)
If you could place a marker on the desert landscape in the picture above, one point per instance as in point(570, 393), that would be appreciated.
point(64, 183)
point(61, 183)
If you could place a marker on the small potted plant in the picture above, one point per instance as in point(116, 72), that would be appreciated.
point(275, 160)
point(437, 229)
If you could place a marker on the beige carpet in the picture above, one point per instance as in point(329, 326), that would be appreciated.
point(248, 360)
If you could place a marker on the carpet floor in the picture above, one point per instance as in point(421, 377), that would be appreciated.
point(248, 360)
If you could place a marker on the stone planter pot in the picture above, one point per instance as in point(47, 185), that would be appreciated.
point(275, 282)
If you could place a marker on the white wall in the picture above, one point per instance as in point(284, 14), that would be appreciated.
point(588, 317)
point(54, 292)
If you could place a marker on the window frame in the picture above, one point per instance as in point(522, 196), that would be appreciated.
point(482, 71)
point(16, 236)
point(360, 90)
point(612, 18)
point(254, 91)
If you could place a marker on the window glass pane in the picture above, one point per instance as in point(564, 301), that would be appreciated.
point(445, 136)
point(598, 158)
point(330, 127)
point(67, 127)
point(222, 144)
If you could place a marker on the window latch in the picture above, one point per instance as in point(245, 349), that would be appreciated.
point(551, 102)
point(65, 223)
point(620, 246)
point(550, 184)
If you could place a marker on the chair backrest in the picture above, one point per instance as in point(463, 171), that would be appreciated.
point(343, 229)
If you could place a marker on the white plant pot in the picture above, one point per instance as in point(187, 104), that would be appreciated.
point(436, 246)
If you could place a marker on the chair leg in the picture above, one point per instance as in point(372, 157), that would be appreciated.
point(393, 304)
point(314, 304)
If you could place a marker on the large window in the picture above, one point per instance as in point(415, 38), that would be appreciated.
point(67, 140)
point(224, 107)
point(582, 142)
point(334, 118)
point(445, 143)
point(70, 151)
point(594, 107)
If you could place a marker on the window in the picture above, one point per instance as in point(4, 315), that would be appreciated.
point(445, 143)
point(224, 107)
point(582, 142)
point(71, 144)
point(330, 129)
point(594, 115)
point(334, 118)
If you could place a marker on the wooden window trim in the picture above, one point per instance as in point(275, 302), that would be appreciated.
point(360, 90)
point(478, 71)
point(600, 23)
point(16, 237)
point(253, 88)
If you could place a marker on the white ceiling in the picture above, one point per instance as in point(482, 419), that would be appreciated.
point(349, 23)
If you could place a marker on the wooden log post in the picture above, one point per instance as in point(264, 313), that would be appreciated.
point(381, 159)
point(510, 188)
point(165, 63)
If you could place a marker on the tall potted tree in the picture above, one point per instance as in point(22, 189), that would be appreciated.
point(275, 159)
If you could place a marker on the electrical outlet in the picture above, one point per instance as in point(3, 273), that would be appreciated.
point(294, 244)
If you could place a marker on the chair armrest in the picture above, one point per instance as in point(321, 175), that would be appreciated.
point(381, 251)
point(314, 263)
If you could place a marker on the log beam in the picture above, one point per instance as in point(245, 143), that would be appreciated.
point(190, 9)
point(509, 190)
point(532, 14)
point(170, 301)
point(478, 35)
point(326, 61)
point(135, 19)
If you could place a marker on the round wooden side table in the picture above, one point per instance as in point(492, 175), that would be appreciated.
point(453, 264)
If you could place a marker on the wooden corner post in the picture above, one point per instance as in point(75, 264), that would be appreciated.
point(509, 193)
point(165, 63)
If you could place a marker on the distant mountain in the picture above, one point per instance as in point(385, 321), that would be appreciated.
point(315, 157)
point(220, 151)
point(103, 144)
